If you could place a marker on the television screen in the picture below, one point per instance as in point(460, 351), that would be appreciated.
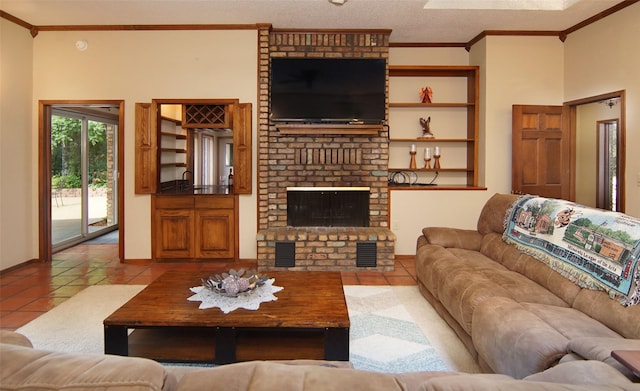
point(328, 90)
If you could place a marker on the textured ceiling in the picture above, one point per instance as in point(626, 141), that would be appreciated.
point(407, 19)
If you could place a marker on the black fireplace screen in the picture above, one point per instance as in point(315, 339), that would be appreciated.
point(328, 208)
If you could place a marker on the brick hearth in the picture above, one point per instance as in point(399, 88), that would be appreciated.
point(286, 160)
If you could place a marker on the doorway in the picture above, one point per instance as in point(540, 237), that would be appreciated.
point(607, 196)
point(599, 150)
point(80, 183)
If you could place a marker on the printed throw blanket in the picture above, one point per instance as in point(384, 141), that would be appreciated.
point(594, 248)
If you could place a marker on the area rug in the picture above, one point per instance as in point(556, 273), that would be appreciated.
point(75, 326)
point(385, 336)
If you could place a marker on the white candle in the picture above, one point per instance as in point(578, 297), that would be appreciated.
point(427, 153)
point(413, 147)
point(437, 151)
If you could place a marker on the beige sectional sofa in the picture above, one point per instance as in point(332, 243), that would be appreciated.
point(25, 368)
point(515, 314)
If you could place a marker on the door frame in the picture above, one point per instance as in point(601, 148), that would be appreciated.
point(44, 172)
point(573, 110)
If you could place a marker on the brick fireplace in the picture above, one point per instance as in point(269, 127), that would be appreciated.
point(325, 157)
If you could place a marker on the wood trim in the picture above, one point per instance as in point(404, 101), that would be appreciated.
point(331, 31)
point(595, 18)
point(433, 70)
point(427, 44)
point(147, 27)
point(33, 29)
point(596, 98)
point(121, 181)
point(44, 177)
point(321, 129)
point(622, 150)
point(19, 266)
point(44, 181)
point(519, 33)
point(436, 187)
point(204, 101)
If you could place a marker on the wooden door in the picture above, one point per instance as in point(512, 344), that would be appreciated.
point(541, 151)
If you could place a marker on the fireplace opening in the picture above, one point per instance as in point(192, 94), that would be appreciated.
point(328, 206)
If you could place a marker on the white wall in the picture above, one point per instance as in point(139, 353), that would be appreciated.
point(604, 57)
point(138, 66)
point(513, 69)
point(19, 191)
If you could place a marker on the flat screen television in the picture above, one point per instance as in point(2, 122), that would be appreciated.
point(328, 90)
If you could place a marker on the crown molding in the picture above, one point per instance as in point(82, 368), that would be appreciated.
point(332, 31)
point(562, 35)
point(427, 44)
point(32, 29)
point(595, 18)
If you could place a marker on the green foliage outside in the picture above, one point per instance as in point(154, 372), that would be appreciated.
point(66, 165)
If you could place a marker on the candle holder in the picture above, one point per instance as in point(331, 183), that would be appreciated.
point(436, 162)
point(427, 163)
point(412, 163)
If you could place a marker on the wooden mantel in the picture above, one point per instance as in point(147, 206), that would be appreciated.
point(335, 129)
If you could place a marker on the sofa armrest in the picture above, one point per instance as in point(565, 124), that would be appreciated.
point(453, 237)
point(13, 338)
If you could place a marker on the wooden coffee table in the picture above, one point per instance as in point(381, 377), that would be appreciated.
point(308, 321)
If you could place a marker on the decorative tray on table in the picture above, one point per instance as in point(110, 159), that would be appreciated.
point(235, 282)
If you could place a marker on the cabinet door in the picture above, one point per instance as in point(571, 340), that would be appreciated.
point(215, 236)
point(242, 148)
point(146, 148)
point(174, 233)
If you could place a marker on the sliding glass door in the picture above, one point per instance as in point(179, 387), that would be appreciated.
point(83, 175)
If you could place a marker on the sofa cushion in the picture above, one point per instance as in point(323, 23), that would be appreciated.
point(513, 340)
point(461, 291)
point(263, 375)
point(600, 349)
point(570, 322)
point(436, 264)
point(487, 383)
point(25, 368)
point(582, 373)
point(522, 289)
point(597, 304)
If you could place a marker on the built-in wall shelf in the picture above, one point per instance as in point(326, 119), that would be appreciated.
point(173, 164)
point(453, 113)
point(422, 187)
point(431, 169)
point(323, 129)
point(431, 140)
point(413, 104)
point(177, 136)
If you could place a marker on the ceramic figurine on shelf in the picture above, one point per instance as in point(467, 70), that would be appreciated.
point(426, 94)
point(426, 128)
